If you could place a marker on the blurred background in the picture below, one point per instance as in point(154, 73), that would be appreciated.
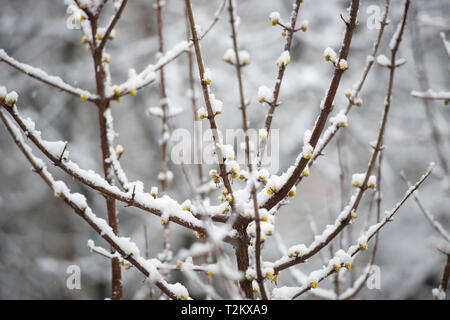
point(40, 236)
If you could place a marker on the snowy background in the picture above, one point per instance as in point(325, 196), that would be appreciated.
point(40, 237)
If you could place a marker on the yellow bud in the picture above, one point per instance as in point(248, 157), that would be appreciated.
point(88, 47)
point(264, 218)
point(83, 97)
point(112, 37)
point(355, 184)
point(314, 285)
point(116, 91)
point(372, 185)
point(84, 40)
point(163, 222)
point(336, 267)
point(249, 277)
point(307, 156)
point(183, 298)
point(261, 99)
point(98, 37)
point(133, 92)
point(354, 215)
point(344, 124)
point(119, 99)
point(107, 60)
point(446, 101)
point(225, 192)
point(348, 93)
point(274, 22)
point(283, 34)
point(57, 195)
point(178, 265)
point(269, 275)
point(292, 193)
point(304, 28)
point(186, 208)
point(305, 173)
point(362, 246)
point(348, 266)
point(84, 6)
point(208, 81)
point(210, 273)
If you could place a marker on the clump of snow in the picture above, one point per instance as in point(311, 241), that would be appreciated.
point(265, 94)
point(284, 59)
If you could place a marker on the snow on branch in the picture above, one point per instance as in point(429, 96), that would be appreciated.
point(124, 246)
point(43, 76)
point(165, 207)
point(344, 259)
point(430, 94)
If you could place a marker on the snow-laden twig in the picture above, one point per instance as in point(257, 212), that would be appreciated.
point(345, 216)
point(165, 207)
point(323, 116)
point(273, 101)
point(44, 77)
point(432, 95)
point(124, 246)
point(346, 260)
point(147, 76)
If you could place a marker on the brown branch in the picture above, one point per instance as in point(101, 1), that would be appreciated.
point(276, 91)
point(243, 106)
point(344, 222)
point(374, 231)
point(111, 26)
point(48, 180)
point(321, 120)
point(205, 89)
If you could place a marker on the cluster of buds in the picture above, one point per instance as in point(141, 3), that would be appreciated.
point(234, 173)
point(9, 98)
point(272, 190)
point(262, 177)
point(296, 250)
point(214, 175)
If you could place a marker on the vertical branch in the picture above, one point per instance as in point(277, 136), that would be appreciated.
point(276, 91)
point(205, 89)
point(324, 112)
point(165, 127)
point(193, 96)
point(243, 107)
point(103, 105)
